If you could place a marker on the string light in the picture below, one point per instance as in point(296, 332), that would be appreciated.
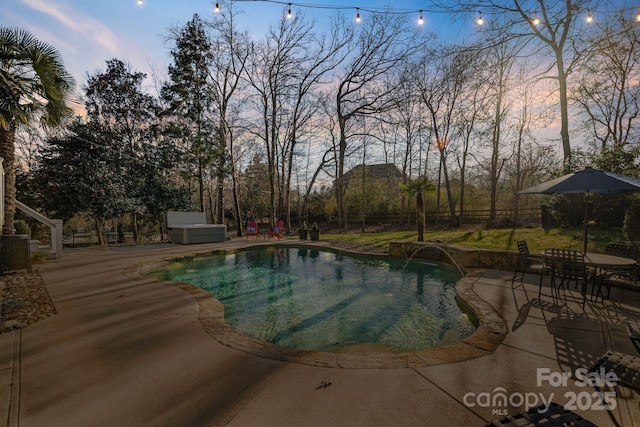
point(398, 11)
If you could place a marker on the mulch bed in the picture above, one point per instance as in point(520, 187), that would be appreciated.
point(25, 300)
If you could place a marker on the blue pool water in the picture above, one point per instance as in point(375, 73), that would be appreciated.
point(323, 300)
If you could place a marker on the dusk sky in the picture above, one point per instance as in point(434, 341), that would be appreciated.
point(87, 33)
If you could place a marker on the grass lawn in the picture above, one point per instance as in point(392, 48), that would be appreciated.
point(538, 239)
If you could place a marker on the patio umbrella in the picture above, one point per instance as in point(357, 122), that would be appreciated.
point(588, 180)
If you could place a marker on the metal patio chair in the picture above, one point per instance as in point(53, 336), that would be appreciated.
point(554, 416)
point(628, 277)
point(527, 262)
point(563, 266)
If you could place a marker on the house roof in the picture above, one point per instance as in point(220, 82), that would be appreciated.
point(387, 171)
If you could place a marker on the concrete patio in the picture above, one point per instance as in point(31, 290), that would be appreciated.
point(129, 352)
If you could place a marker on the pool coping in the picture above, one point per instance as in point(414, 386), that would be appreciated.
point(490, 333)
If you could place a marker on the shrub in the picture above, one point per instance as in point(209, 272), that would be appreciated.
point(22, 227)
point(39, 257)
point(631, 226)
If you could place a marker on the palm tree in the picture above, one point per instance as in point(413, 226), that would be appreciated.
point(33, 86)
point(415, 188)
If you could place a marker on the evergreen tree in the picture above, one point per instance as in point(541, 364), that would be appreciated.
point(190, 101)
point(76, 176)
point(117, 105)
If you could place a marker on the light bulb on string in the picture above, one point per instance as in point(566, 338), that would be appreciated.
point(420, 20)
point(589, 18)
point(217, 8)
point(357, 14)
point(139, 2)
point(479, 21)
point(535, 20)
point(289, 12)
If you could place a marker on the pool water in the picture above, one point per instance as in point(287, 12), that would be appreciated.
point(313, 299)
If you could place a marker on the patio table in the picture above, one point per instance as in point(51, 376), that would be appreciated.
point(607, 261)
point(597, 260)
point(600, 262)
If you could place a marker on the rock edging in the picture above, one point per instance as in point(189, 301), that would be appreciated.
point(490, 333)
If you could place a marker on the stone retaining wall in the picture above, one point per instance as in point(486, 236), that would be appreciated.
point(465, 258)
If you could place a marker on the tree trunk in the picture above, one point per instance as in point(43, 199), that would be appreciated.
point(7, 152)
point(420, 216)
point(100, 232)
point(564, 109)
point(134, 225)
point(364, 188)
point(454, 220)
point(342, 148)
point(220, 201)
point(236, 204)
point(200, 185)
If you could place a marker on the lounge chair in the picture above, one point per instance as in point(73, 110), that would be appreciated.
point(252, 229)
point(278, 230)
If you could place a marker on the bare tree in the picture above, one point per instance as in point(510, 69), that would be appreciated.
point(407, 118)
point(229, 53)
point(469, 130)
point(500, 79)
point(440, 78)
point(608, 93)
point(523, 124)
point(274, 67)
point(317, 59)
point(553, 24)
point(382, 43)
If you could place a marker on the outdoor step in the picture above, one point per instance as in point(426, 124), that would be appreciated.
point(35, 246)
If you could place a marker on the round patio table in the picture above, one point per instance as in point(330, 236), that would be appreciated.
point(600, 263)
point(607, 261)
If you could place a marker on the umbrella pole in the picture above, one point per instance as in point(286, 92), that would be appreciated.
point(586, 223)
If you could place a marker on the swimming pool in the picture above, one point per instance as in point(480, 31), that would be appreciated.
point(318, 299)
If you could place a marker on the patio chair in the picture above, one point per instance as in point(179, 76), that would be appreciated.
point(252, 229)
point(625, 366)
point(278, 230)
point(564, 266)
point(622, 250)
point(527, 262)
point(633, 330)
point(626, 369)
point(555, 415)
point(628, 277)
